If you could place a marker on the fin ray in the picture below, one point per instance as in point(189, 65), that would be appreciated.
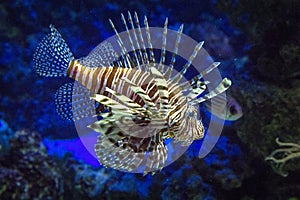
point(52, 56)
point(136, 38)
point(73, 102)
point(145, 55)
point(179, 76)
point(164, 44)
point(125, 55)
point(173, 59)
point(102, 55)
point(152, 59)
point(130, 40)
point(223, 86)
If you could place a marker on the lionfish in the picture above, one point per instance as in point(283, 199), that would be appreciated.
point(138, 104)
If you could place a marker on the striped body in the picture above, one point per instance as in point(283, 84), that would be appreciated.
point(96, 79)
point(183, 124)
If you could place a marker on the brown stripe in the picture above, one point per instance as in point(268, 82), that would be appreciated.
point(74, 71)
point(87, 78)
point(94, 79)
point(70, 68)
point(80, 74)
point(110, 78)
point(101, 81)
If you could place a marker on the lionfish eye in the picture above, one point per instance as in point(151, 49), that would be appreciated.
point(232, 110)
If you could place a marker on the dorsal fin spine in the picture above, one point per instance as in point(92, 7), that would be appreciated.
point(173, 59)
point(125, 55)
point(124, 58)
point(164, 44)
point(130, 40)
point(136, 38)
point(145, 55)
point(197, 48)
point(204, 72)
point(222, 87)
point(152, 59)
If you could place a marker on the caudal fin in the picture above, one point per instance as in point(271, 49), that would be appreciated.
point(52, 56)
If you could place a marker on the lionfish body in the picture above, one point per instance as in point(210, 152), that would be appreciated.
point(140, 104)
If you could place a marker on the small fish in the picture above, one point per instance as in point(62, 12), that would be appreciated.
point(139, 104)
point(231, 112)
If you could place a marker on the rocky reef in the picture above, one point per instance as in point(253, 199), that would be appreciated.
point(27, 172)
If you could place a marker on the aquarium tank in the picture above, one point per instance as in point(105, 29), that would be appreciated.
point(150, 99)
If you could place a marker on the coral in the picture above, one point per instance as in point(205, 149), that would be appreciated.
point(223, 169)
point(269, 112)
point(228, 179)
point(282, 155)
point(125, 187)
point(28, 164)
point(83, 181)
point(185, 183)
point(12, 184)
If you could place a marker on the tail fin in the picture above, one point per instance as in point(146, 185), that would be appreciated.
point(52, 56)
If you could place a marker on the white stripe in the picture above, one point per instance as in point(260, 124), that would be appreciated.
point(114, 84)
point(84, 75)
point(72, 71)
point(106, 78)
point(78, 72)
point(90, 81)
point(98, 80)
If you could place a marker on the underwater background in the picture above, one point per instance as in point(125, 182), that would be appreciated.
point(258, 45)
